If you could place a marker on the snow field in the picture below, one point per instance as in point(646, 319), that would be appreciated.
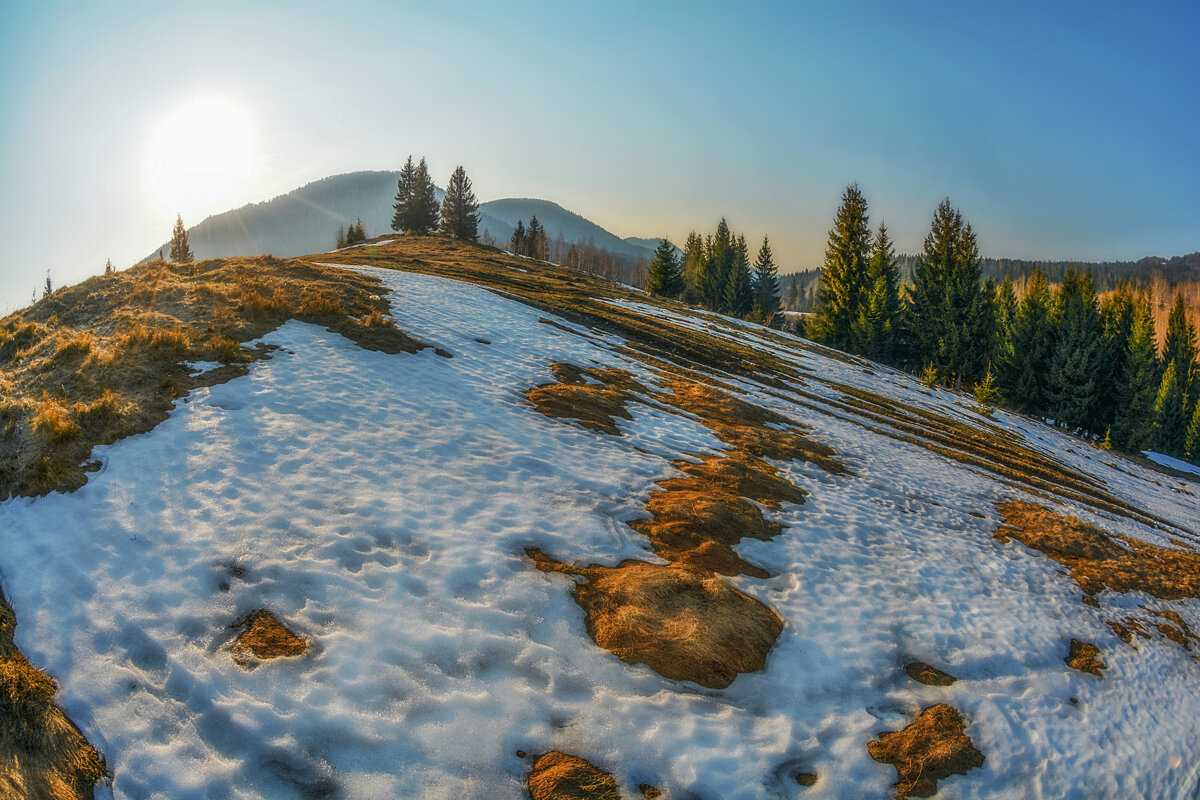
point(380, 506)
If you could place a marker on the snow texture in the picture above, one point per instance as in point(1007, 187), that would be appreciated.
point(1173, 463)
point(380, 506)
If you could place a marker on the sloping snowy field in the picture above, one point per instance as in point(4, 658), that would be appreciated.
point(380, 505)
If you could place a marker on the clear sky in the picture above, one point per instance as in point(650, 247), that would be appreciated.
point(1061, 130)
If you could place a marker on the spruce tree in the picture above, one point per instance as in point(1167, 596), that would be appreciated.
point(1023, 381)
point(737, 298)
point(875, 327)
point(945, 312)
point(516, 244)
point(1133, 419)
point(355, 234)
point(109, 269)
point(843, 273)
point(1192, 442)
point(460, 209)
point(181, 253)
point(1170, 425)
point(425, 204)
point(405, 212)
point(1180, 344)
point(1075, 360)
point(535, 239)
point(1006, 322)
point(719, 255)
point(1116, 323)
point(693, 268)
point(766, 281)
point(664, 278)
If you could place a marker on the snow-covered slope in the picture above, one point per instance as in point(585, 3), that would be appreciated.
point(382, 505)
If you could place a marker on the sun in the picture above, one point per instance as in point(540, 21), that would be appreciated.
point(201, 154)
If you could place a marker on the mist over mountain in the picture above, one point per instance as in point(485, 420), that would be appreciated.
point(306, 220)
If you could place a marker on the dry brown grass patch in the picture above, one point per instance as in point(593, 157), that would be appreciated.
point(685, 624)
point(42, 755)
point(1085, 657)
point(935, 746)
point(921, 672)
point(558, 776)
point(594, 397)
point(266, 637)
point(1097, 560)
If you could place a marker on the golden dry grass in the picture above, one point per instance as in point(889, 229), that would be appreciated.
point(596, 403)
point(1085, 657)
point(266, 637)
point(935, 746)
point(685, 624)
point(95, 362)
point(42, 755)
point(558, 776)
point(921, 672)
point(1097, 560)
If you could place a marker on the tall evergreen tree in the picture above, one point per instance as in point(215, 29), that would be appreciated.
point(460, 209)
point(1180, 344)
point(516, 244)
point(405, 188)
point(109, 269)
point(1133, 418)
point(181, 253)
point(1075, 360)
point(1170, 425)
point(693, 268)
point(1191, 449)
point(1116, 323)
point(843, 273)
point(874, 331)
point(664, 278)
point(719, 255)
point(766, 281)
point(737, 297)
point(1024, 379)
point(1007, 308)
point(535, 239)
point(425, 204)
point(945, 303)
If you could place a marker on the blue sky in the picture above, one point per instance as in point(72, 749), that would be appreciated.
point(1061, 130)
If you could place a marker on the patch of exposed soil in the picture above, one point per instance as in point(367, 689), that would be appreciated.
point(1085, 657)
point(921, 672)
point(42, 754)
point(266, 637)
point(935, 746)
point(685, 624)
point(1097, 560)
point(558, 776)
point(807, 779)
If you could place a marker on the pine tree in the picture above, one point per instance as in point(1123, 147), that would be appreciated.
point(944, 316)
point(516, 244)
point(1180, 344)
point(108, 267)
point(875, 327)
point(425, 204)
point(181, 253)
point(1192, 444)
point(987, 394)
point(1006, 322)
point(535, 239)
point(843, 273)
point(737, 297)
point(1075, 360)
point(1023, 381)
point(460, 209)
point(356, 234)
point(693, 267)
point(664, 278)
point(1116, 323)
point(49, 287)
point(793, 298)
point(1133, 420)
point(719, 256)
point(405, 187)
point(1169, 422)
point(766, 281)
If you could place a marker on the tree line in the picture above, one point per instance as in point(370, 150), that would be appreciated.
point(1090, 365)
point(418, 211)
point(715, 271)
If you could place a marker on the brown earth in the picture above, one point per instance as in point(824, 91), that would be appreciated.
point(921, 672)
point(685, 624)
point(266, 637)
point(1085, 657)
point(558, 776)
point(935, 746)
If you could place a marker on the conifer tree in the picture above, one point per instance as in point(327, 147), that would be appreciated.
point(944, 315)
point(181, 253)
point(355, 234)
point(664, 278)
point(535, 239)
point(1180, 344)
point(1075, 360)
point(793, 298)
point(341, 237)
point(737, 297)
point(1006, 321)
point(766, 281)
point(874, 331)
point(1116, 323)
point(1133, 418)
point(1023, 381)
point(405, 188)
point(1170, 425)
point(843, 273)
point(425, 204)
point(1192, 443)
point(460, 209)
point(516, 244)
point(108, 267)
point(693, 268)
point(719, 255)
point(48, 289)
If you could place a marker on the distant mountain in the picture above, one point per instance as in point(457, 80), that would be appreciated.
point(306, 220)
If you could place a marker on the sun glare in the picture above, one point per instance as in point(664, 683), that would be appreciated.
point(200, 155)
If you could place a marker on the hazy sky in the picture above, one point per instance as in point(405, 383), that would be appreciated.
point(1061, 130)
